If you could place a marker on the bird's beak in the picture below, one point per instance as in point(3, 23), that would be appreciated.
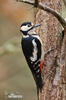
point(36, 25)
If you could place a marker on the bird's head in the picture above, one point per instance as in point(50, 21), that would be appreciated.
point(27, 26)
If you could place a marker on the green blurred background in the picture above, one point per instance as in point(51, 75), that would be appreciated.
point(15, 76)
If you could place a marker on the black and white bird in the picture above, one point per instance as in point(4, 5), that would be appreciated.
point(32, 49)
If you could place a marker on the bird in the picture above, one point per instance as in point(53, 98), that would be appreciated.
point(33, 51)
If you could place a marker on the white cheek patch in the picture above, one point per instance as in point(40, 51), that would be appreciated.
point(25, 28)
point(34, 57)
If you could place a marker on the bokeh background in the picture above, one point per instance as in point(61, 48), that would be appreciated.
point(15, 76)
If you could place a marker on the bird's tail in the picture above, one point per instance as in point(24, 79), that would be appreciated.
point(39, 84)
point(38, 81)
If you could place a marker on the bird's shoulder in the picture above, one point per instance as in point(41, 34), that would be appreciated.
point(30, 37)
point(37, 37)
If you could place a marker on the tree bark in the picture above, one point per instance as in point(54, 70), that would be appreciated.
point(49, 33)
point(63, 64)
point(54, 69)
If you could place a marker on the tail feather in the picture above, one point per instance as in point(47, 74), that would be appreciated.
point(39, 81)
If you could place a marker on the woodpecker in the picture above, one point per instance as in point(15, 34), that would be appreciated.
point(32, 49)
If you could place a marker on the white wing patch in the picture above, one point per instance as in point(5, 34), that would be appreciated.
point(34, 57)
point(42, 50)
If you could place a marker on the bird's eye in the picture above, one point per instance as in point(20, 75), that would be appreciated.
point(29, 25)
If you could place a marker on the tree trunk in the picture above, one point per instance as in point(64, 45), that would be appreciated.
point(50, 35)
point(54, 69)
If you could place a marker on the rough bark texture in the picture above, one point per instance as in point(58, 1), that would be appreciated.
point(50, 35)
point(54, 69)
point(63, 64)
